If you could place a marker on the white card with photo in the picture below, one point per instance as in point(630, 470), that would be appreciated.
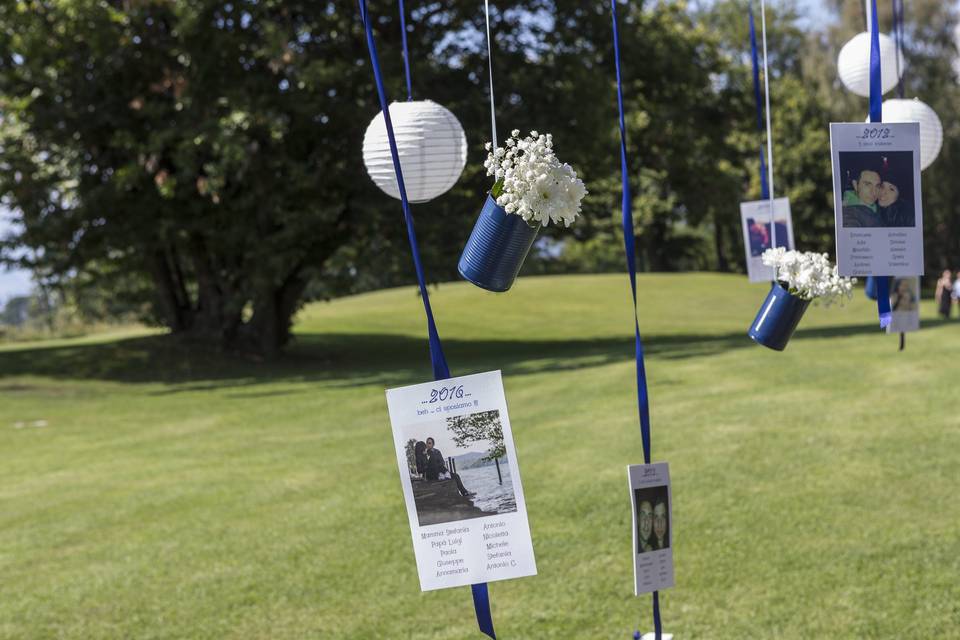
point(652, 526)
point(758, 236)
point(876, 192)
point(905, 305)
point(461, 481)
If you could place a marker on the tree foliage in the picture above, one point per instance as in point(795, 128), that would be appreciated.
point(410, 448)
point(199, 162)
point(482, 427)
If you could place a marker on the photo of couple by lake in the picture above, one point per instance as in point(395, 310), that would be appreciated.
point(458, 468)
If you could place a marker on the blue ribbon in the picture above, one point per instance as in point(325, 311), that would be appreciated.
point(481, 599)
point(764, 187)
point(643, 402)
point(876, 115)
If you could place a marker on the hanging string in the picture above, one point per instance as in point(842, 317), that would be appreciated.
point(766, 89)
point(481, 597)
point(898, 38)
point(764, 187)
point(876, 115)
point(406, 53)
point(643, 401)
point(493, 114)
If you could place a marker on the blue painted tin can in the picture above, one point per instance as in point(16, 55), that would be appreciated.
point(870, 288)
point(778, 318)
point(496, 249)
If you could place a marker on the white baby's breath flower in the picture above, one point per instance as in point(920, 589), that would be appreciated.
point(534, 184)
point(809, 275)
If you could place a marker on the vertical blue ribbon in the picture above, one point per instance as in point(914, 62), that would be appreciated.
point(764, 187)
point(481, 597)
point(876, 115)
point(629, 245)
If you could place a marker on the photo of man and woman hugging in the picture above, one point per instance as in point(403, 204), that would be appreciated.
point(877, 189)
point(653, 515)
point(430, 466)
point(458, 468)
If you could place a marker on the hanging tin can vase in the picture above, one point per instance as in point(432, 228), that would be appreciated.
point(778, 318)
point(496, 248)
point(532, 188)
point(802, 276)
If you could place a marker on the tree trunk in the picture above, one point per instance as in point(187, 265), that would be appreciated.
point(177, 314)
point(718, 244)
point(269, 329)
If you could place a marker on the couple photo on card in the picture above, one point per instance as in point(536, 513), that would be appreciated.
point(653, 526)
point(878, 189)
point(472, 482)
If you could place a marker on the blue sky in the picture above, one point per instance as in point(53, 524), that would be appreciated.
point(12, 283)
point(815, 9)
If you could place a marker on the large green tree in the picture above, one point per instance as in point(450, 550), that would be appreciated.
point(199, 145)
point(201, 160)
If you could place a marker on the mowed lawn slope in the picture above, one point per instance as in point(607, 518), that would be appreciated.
point(151, 490)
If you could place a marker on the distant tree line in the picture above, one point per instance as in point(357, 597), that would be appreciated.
point(198, 163)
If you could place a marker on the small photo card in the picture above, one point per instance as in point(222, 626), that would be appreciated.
point(461, 481)
point(876, 194)
point(652, 526)
point(758, 236)
point(905, 305)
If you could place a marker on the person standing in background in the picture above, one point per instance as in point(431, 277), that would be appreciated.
point(944, 295)
point(956, 288)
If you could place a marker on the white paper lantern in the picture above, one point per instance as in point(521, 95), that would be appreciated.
point(931, 130)
point(853, 64)
point(431, 145)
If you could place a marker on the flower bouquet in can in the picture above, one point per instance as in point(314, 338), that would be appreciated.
point(801, 277)
point(532, 189)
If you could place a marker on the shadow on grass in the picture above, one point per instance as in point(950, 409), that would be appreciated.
point(344, 360)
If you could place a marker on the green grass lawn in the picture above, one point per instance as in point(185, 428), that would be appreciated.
point(176, 494)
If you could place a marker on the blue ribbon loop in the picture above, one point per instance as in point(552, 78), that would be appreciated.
point(764, 187)
point(643, 402)
point(876, 115)
point(441, 371)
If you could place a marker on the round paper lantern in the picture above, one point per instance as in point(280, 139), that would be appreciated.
point(431, 145)
point(853, 64)
point(931, 131)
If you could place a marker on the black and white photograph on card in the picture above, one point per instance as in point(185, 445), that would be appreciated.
point(650, 500)
point(904, 305)
point(653, 525)
point(458, 468)
point(460, 480)
point(877, 198)
point(758, 236)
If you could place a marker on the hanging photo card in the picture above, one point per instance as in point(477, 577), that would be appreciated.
point(461, 481)
point(758, 236)
point(652, 526)
point(876, 193)
point(905, 305)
